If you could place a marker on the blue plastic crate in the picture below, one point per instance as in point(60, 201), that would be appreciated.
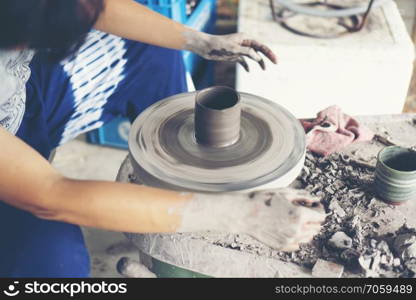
point(113, 134)
point(203, 18)
point(174, 9)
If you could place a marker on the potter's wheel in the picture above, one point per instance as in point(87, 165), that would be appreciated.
point(269, 151)
point(215, 140)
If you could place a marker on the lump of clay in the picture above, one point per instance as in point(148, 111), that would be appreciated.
point(350, 256)
point(340, 240)
point(411, 265)
point(405, 246)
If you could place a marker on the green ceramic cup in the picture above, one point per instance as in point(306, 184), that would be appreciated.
point(395, 178)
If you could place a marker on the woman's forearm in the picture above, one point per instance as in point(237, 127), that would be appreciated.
point(128, 19)
point(116, 206)
point(30, 183)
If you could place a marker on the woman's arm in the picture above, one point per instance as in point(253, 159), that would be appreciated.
point(131, 20)
point(29, 182)
point(128, 19)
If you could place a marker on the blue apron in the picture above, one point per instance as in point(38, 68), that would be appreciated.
point(109, 76)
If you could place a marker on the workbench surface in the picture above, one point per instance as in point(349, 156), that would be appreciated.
point(213, 254)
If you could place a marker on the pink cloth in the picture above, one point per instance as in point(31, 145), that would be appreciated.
point(332, 130)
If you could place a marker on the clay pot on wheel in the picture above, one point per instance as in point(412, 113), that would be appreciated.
point(216, 140)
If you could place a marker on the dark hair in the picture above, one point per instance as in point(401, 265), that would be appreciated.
point(58, 27)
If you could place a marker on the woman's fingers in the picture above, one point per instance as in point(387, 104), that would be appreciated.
point(304, 238)
point(266, 51)
point(249, 52)
point(313, 215)
point(241, 60)
point(306, 202)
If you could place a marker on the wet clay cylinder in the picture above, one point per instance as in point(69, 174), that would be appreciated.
point(217, 117)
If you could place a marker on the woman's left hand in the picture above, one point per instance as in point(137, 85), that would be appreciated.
point(233, 47)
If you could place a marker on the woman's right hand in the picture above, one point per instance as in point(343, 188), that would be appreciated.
point(281, 218)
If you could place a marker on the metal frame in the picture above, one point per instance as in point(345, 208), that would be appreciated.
point(284, 14)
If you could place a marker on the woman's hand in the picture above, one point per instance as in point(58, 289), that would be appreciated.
point(284, 218)
point(128, 19)
point(281, 219)
point(233, 47)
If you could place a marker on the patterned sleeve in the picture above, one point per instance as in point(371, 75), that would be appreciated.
point(14, 73)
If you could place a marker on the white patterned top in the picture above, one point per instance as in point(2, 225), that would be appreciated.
point(14, 73)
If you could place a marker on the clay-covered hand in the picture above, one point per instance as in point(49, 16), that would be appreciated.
point(283, 219)
point(233, 47)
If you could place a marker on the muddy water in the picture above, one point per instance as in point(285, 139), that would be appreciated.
point(403, 162)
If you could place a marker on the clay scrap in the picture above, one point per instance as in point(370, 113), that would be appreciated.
point(353, 236)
